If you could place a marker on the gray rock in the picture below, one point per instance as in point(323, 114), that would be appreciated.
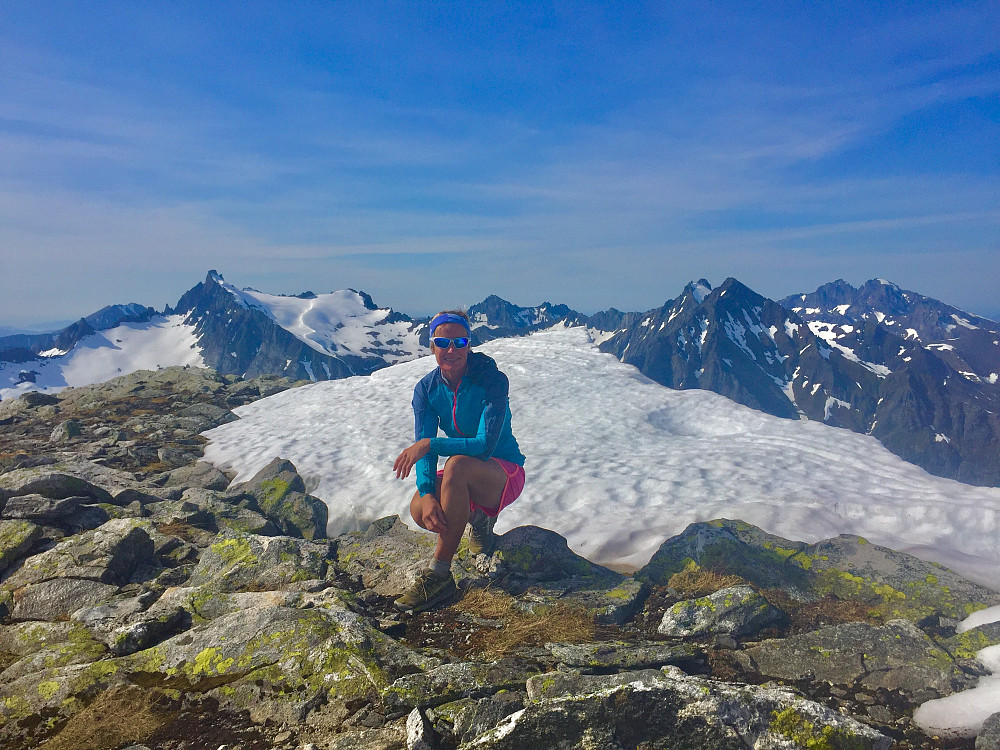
point(989, 736)
point(623, 657)
point(58, 598)
point(146, 631)
point(45, 481)
point(199, 474)
point(109, 554)
point(419, 733)
point(464, 720)
point(450, 682)
point(669, 709)
point(281, 495)
point(386, 555)
point(16, 540)
point(896, 656)
point(38, 507)
point(278, 663)
point(739, 611)
point(66, 431)
point(238, 562)
point(47, 645)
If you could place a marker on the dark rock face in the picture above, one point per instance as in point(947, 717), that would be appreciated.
point(913, 373)
point(281, 495)
point(495, 318)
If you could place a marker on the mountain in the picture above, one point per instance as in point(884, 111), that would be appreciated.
point(307, 336)
point(495, 318)
point(871, 360)
point(244, 333)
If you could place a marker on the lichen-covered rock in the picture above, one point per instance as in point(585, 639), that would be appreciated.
point(849, 567)
point(276, 662)
point(386, 555)
point(739, 611)
point(450, 682)
point(56, 599)
point(66, 431)
point(608, 656)
point(47, 645)
point(16, 540)
point(46, 481)
point(670, 709)
point(896, 656)
point(965, 645)
point(281, 495)
point(109, 554)
point(54, 693)
point(241, 562)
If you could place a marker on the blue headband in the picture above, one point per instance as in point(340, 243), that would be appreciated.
point(449, 318)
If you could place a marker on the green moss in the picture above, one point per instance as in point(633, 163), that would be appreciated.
point(519, 557)
point(209, 662)
point(274, 491)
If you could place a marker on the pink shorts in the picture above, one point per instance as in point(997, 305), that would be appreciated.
point(511, 490)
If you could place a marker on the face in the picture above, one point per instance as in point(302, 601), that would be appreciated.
point(452, 361)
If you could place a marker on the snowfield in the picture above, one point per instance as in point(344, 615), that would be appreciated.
point(163, 341)
point(617, 463)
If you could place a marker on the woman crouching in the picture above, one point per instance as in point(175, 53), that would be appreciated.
point(466, 397)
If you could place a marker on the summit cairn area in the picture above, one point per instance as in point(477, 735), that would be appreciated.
point(147, 600)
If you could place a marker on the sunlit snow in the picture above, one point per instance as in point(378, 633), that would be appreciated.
point(334, 323)
point(162, 341)
point(617, 463)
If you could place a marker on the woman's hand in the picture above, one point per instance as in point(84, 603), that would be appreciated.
point(405, 460)
point(432, 514)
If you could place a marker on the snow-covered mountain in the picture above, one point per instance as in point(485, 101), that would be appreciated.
point(309, 336)
point(873, 360)
point(918, 375)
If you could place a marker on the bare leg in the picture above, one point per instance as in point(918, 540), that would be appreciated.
point(466, 478)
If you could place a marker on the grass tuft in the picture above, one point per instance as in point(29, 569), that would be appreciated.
point(559, 623)
point(119, 716)
point(700, 582)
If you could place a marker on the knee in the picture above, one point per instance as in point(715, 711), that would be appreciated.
point(458, 468)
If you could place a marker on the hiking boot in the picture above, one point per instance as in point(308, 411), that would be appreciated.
point(481, 536)
point(429, 589)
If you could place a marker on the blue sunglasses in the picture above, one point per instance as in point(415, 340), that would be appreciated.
point(442, 343)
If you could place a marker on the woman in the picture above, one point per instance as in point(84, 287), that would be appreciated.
point(466, 397)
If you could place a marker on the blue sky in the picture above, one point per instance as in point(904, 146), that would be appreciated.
point(594, 154)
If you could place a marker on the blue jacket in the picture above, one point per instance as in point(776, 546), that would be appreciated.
point(476, 418)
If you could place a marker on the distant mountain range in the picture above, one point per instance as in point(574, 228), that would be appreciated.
point(917, 374)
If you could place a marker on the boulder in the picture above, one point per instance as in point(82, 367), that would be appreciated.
point(849, 567)
point(39, 508)
point(16, 540)
point(465, 719)
point(739, 611)
point(109, 554)
point(47, 645)
point(670, 709)
point(450, 682)
point(897, 656)
point(147, 630)
point(281, 495)
point(66, 431)
point(56, 599)
point(277, 663)
point(989, 736)
point(199, 474)
point(240, 562)
point(611, 656)
point(45, 481)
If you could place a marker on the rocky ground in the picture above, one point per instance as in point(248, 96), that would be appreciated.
point(147, 600)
